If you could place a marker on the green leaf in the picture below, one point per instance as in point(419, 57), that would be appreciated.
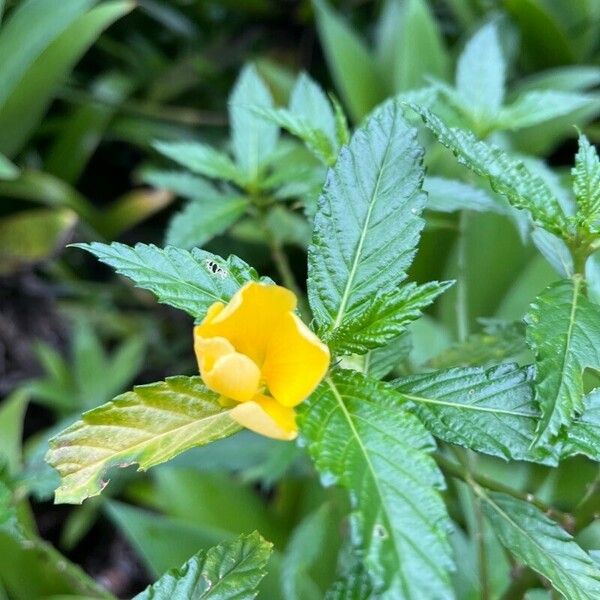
point(32, 236)
point(490, 411)
point(382, 361)
point(309, 101)
point(229, 571)
point(189, 281)
point(12, 413)
point(507, 176)
point(19, 49)
point(316, 140)
point(203, 219)
point(351, 65)
point(182, 183)
point(451, 195)
point(354, 586)
point(563, 329)
point(8, 170)
point(148, 426)
point(253, 137)
point(368, 220)
point(384, 318)
point(24, 108)
point(498, 342)
point(545, 43)
point(481, 74)
point(306, 547)
point(586, 183)
point(8, 514)
point(542, 545)
point(533, 108)
point(583, 436)
point(203, 160)
point(359, 438)
point(420, 51)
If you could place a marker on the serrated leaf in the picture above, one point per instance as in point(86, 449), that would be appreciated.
point(359, 438)
point(190, 281)
point(203, 160)
point(352, 66)
point(384, 318)
point(310, 101)
point(203, 219)
point(481, 74)
point(367, 223)
point(148, 426)
point(542, 545)
point(229, 571)
point(563, 329)
point(507, 176)
point(253, 137)
point(583, 436)
point(586, 183)
point(493, 411)
point(316, 139)
point(533, 108)
point(487, 410)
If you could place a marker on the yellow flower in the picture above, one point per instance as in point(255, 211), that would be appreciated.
point(260, 357)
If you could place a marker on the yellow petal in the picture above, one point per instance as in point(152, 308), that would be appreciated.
point(295, 362)
point(266, 416)
point(249, 318)
point(224, 370)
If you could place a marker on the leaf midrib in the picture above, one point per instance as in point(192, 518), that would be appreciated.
point(368, 462)
point(547, 418)
point(526, 534)
point(138, 446)
point(363, 235)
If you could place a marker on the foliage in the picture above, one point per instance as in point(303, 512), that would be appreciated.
point(440, 239)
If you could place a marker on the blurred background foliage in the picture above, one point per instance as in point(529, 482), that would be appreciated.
point(96, 98)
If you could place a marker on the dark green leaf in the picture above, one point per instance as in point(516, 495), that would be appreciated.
point(563, 329)
point(230, 571)
point(359, 438)
point(384, 318)
point(368, 220)
point(542, 545)
point(586, 183)
point(190, 281)
point(508, 176)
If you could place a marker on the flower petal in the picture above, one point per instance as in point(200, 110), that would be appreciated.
point(266, 416)
point(249, 318)
point(296, 361)
point(224, 370)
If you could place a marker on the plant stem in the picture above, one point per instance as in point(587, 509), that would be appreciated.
point(462, 299)
point(477, 480)
point(282, 264)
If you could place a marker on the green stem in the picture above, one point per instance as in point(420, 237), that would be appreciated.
point(282, 264)
point(462, 299)
point(477, 480)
